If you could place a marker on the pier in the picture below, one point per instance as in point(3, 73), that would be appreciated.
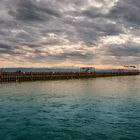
point(36, 76)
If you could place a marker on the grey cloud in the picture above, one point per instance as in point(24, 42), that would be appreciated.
point(75, 56)
point(27, 22)
point(4, 46)
point(9, 52)
point(72, 56)
point(31, 11)
point(129, 49)
point(127, 10)
point(93, 12)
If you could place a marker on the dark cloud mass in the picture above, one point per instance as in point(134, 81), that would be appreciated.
point(28, 10)
point(4, 46)
point(125, 50)
point(128, 10)
point(53, 32)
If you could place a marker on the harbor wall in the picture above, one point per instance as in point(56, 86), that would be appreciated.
point(35, 76)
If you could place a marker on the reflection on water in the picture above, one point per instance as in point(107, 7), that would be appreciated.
point(89, 109)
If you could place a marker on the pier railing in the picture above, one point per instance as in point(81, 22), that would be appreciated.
point(34, 76)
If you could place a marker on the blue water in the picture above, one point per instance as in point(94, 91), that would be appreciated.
point(61, 70)
point(87, 109)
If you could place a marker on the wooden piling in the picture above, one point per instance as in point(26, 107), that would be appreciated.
point(34, 76)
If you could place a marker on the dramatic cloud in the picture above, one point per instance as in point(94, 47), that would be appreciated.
point(63, 33)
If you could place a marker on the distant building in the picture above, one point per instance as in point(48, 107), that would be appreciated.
point(87, 69)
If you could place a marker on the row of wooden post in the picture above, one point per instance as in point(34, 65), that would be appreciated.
point(33, 76)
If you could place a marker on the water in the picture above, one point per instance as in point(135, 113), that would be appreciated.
point(88, 109)
point(72, 69)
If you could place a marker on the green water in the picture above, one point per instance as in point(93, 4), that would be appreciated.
point(88, 109)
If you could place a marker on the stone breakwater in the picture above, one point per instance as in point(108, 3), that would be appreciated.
point(35, 76)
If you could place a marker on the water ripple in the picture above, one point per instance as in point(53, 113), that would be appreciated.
point(93, 109)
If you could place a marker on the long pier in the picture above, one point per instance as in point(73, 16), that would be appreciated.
point(35, 76)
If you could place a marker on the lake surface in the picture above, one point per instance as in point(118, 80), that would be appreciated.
point(87, 109)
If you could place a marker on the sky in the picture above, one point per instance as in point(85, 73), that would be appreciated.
point(60, 33)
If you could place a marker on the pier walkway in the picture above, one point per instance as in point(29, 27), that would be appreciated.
point(34, 76)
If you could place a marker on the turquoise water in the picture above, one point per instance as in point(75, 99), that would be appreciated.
point(87, 109)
